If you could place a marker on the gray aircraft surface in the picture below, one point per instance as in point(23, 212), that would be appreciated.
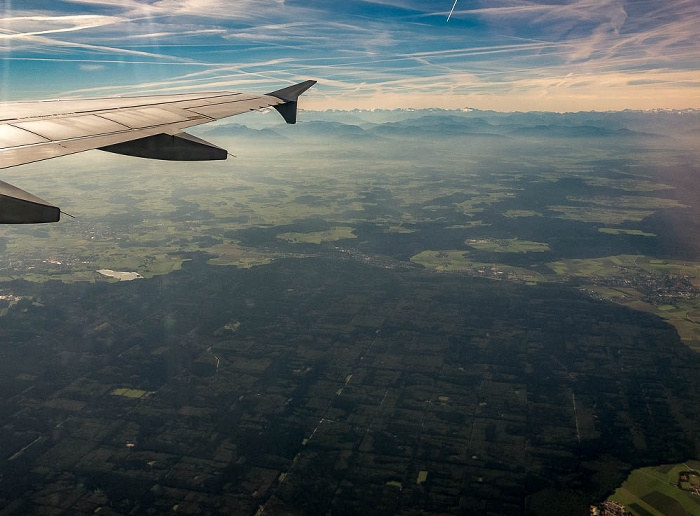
point(145, 126)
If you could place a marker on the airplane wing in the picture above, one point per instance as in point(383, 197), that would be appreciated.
point(146, 126)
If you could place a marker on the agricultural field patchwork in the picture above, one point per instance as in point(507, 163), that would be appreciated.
point(661, 490)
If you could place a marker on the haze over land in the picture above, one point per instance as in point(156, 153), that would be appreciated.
point(395, 310)
point(467, 282)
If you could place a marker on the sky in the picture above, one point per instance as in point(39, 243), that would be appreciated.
point(505, 55)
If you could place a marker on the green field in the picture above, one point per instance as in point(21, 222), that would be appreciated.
point(631, 184)
point(469, 225)
point(238, 256)
point(450, 260)
point(601, 214)
point(456, 260)
point(654, 491)
point(617, 231)
point(129, 393)
point(637, 202)
point(399, 229)
point(477, 203)
point(613, 210)
point(682, 313)
point(317, 237)
point(612, 265)
point(507, 245)
point(513, 214)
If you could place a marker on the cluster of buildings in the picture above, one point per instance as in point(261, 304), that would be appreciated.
point(685, 482)
point(658, 288)
point(609, 508)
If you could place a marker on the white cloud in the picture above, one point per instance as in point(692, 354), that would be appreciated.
point(91, 67)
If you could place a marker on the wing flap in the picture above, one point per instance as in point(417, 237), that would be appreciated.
point(20, 207)
point(20, 156)
point(176, 147)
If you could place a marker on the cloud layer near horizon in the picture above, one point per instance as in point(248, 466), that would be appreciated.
point(558, 55)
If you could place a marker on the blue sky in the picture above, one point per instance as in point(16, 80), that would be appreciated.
point(556, 55)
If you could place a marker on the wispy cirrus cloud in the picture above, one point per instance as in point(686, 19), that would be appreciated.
point(92, 67)
point(592, 52)
point(37, 25)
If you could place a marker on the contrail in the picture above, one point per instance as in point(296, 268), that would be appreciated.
point(451, 10)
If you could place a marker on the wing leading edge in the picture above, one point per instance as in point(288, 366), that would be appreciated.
point(148, 126)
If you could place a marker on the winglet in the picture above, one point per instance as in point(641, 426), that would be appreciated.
point(290, 94)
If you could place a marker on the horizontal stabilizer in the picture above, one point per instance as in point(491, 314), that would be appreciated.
point(20, 207)
point(290, 94)
point(178, 147)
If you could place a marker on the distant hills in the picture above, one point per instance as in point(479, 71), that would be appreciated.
point(581, 131)
point(359, 125)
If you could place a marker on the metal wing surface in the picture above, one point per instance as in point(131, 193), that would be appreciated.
point(146, 126)
point(34, 131)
